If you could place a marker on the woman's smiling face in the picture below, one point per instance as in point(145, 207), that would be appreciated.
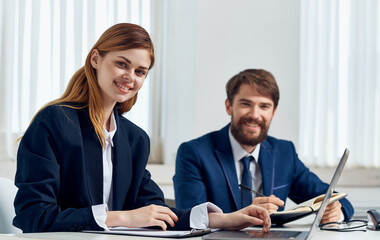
point(120, 74)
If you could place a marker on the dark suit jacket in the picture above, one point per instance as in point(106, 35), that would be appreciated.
point(205, 171)
point(60, 172)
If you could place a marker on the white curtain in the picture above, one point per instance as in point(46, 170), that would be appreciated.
point(158, 80)
point(42, 44)
point(340, 82)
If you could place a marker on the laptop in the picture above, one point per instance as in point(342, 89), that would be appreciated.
point(284, 234)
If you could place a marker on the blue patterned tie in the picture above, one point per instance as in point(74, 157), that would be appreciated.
point(246, 179)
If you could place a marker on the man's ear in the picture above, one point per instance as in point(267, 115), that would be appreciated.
point(274, 112)
point(228, 107)
point(95, 58)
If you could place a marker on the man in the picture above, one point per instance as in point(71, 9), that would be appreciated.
point(211, 167)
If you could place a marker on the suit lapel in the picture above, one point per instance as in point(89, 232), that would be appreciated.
point(267, 165)
point(122, 166)
point(93, 158)
point(225, 157)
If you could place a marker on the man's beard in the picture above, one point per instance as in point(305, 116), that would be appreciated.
point(238, 132)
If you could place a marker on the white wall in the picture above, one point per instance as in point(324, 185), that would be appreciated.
point(210, 41)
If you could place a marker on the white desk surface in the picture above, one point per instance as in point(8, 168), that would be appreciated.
point(320, 235)
point(299, 225)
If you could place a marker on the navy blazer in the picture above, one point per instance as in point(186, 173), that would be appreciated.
point(60, 172)
point(205, 171)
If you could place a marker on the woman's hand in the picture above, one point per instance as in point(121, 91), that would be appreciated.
point(246, 217)
point(149, 216)
point(270, 203)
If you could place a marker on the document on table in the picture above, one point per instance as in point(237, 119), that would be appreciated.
point(146, 232)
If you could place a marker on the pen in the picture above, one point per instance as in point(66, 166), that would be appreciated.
point(251, 190)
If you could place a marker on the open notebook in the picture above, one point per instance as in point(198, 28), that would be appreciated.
point(303, 209)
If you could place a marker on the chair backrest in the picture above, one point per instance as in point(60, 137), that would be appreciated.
point(7, 212)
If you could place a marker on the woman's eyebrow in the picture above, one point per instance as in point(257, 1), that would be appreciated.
point(128, 61)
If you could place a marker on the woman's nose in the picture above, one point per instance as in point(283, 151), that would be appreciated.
point(127, 76)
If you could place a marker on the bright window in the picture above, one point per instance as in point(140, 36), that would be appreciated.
point(43, 43)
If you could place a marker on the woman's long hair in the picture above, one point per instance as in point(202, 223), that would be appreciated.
point(83, 87)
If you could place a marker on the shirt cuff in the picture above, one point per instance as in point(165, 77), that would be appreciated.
point(100, 215)
point(341, 217)
point(199, 215)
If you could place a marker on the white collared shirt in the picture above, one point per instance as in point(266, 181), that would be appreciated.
point(107, 162)
point(99, 211)
point(238, 153)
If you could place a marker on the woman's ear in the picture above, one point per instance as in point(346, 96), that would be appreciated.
point(95, 58)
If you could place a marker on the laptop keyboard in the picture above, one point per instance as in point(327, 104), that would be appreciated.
point(273, 234)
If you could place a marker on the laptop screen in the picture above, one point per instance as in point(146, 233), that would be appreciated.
point(330, 190)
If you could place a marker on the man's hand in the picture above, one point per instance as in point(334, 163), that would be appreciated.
point(270, 203)
point(246, 217)
point(332, 213)
point(149, 216)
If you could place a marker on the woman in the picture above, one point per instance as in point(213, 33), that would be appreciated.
point(81, 165)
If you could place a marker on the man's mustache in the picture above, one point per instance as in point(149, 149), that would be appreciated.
point(250, 120)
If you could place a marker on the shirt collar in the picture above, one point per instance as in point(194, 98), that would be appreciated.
point(239, 152)
point(113, 127)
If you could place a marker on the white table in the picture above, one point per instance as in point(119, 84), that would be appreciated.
point(299, 225)
point(320, 235)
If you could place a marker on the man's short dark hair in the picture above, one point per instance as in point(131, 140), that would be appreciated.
point(262, 80)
